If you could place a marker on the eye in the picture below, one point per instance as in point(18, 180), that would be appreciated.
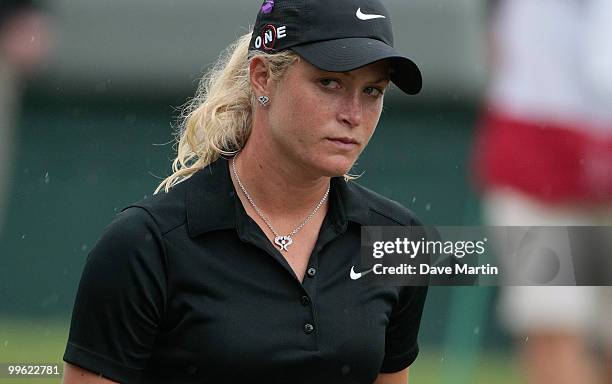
point(373, 91)
point(330, 83)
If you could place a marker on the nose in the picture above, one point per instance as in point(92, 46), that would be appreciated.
point(351, 111)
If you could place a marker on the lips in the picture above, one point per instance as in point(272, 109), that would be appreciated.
point(345, 140)
point(344, 143)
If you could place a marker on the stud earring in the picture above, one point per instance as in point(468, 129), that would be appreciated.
point(264, 100)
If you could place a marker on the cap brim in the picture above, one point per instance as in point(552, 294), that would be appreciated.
point(343, 55)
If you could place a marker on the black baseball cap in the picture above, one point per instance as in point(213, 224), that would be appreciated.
point(335, 36)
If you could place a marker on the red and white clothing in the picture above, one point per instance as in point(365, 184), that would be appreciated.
point(543, 152)
point(547, 127)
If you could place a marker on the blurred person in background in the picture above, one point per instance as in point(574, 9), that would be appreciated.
point(24, 42)
point(543, 156)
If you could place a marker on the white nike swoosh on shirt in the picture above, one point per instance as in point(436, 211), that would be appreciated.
point(362, 16)
point(358, 275)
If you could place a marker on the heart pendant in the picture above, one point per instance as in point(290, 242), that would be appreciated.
point(283, 242)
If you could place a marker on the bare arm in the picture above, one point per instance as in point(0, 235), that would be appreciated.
point(77, 375)
point(400, 377)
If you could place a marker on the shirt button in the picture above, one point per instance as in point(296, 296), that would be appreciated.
point(311, 272)
point(308, 328)
point(305, 301)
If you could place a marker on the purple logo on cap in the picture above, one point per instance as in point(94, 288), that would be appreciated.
point(267, 7)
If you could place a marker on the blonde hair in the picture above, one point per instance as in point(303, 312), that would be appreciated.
point(218, 120)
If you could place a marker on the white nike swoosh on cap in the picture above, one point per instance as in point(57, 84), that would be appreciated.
point(358, 275)
point(362, 16)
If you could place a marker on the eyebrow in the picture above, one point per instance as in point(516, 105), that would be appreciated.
point(385, 78)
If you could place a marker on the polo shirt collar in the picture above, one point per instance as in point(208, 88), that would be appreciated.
point(211, 201)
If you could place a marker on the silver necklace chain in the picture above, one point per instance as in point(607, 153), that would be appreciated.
point(282, 241)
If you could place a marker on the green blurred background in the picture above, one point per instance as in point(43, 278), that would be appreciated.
point(95, 134)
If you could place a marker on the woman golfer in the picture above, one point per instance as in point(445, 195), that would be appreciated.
point(244, 267)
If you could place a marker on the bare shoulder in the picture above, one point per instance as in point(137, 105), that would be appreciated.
point(77, 375)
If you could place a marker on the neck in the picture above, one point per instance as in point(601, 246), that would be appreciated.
point(280, 188)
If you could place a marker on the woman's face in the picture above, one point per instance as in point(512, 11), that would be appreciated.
point(323, 120)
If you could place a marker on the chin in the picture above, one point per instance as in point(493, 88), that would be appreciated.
point(335, 166)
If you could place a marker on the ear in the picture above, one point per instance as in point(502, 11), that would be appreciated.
point(259, 74)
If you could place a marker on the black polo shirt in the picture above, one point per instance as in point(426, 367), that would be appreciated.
point(184, 287)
